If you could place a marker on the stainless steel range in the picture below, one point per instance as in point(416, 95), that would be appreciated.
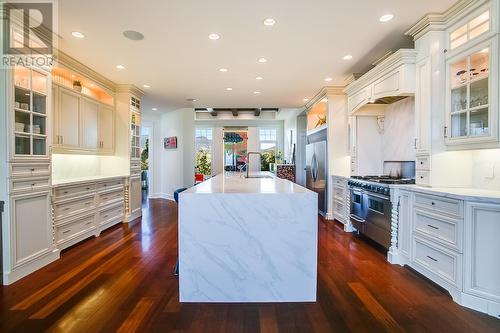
point(371, 206)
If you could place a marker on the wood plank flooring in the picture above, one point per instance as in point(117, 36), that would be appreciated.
point(122, 282)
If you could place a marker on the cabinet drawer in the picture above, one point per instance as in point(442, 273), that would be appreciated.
point(68, 208)
point(111, 196)
point(446, 231)
point(423, 178)
point(338, 207)
point(444, 264)
point(116, 183)
point(29, 169)
point(339, 192)
point(339, 182)
point(135, 165)
point(135, 172)
point(440, 205)
point(111, 214)
point(75, 227)
point(24, 185)
point(73, 191)
point(423, 162)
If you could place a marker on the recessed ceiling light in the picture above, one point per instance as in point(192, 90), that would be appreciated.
point(269, 21)
point(348, 57)
point(229, 89)
point(262, 60)
point(120, 67)
point(214, 36)
point(386, 18)
point(256, 92)
point(72, 75)
point(305, 99)
point(191, 99)
point(78, 34)
point(324, 100)
point(133, 35)
point(92, 85)
point(328, 79)
point(259, 78)
point(154, 109)
point(146, 86)
point(223, 70)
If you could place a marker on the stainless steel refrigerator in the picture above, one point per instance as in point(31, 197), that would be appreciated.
point(316, 170)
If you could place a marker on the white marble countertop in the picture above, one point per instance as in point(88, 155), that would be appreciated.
point(234, 182)
point(459, 193)
point(74, 181)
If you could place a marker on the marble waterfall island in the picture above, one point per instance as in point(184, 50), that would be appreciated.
point(247, 240)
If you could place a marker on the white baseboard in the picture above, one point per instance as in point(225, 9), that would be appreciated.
point(161, 196)
point(28, 268)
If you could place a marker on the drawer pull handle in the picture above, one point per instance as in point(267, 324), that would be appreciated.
point(88, 223)
point(433, 227)
point(421, 163)
point(88, 188)
point(433, 203)
point(431, 258)
point(32, 170)
point(421, 177)
point(105, 216)
point(67, 208)
point(65, 192)
point(66, 231)
point(33, 184)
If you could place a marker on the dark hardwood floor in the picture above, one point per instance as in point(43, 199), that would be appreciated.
point(122, 282)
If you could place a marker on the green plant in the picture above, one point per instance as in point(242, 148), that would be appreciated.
point(203, 162)
point(266, 158)
point(145, 156)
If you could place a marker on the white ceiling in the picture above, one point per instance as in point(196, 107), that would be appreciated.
point(179, 61)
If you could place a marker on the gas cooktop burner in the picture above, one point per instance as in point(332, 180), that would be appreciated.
point(385, 179)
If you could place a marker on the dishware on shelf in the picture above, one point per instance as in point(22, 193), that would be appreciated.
point(25, 106)
point(19, 127)
point(18, 105)
point(36, 129)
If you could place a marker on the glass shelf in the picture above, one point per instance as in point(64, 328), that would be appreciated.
point(30, 107)
point(469, 95)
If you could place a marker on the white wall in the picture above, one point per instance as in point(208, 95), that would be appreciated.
point(369, 146)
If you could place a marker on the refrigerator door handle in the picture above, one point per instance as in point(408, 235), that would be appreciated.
point(314, 168)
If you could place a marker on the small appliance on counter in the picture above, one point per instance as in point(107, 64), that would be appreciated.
point(370, 211)
point(286, 171)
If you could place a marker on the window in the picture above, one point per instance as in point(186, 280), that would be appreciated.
point(470, 30)
point(203, 148)
point(268, 146)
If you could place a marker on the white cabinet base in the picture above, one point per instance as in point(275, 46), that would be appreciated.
point(30, 267)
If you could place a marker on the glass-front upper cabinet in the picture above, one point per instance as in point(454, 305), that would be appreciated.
point(472, 88)
point(29, 112)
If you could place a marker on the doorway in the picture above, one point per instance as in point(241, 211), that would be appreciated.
point(235, 149)
point(146, 133)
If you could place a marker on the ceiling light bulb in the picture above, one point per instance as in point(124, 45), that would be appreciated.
point(386, 18)
point(256, 92)
point(154, 109)
point(348, 57)
point(269, 21)
point(146, 86)
point(133, 35)
point(120, 67)
point(223, 70)
point(214, 36)
point(328, 79)
point(229, 89)
point(259, 78)
point(191, 99)
point(78, 34)
point(305, 99)
point(262, 60)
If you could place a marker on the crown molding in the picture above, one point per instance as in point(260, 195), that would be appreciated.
point(324, 92)
point(74, 65)
point(129, 88)
point(397, 59)
point(440, 21)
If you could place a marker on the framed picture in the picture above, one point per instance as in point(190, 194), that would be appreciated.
point(170, 142)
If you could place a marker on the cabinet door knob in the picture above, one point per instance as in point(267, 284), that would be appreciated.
point(433, 203)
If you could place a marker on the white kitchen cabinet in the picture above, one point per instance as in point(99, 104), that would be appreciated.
point(31, 223)
point(90, 116)
point(106, 129)
point(423, 108)
point(135, 197)
point(405, 228)
point(481, 263)
point(83, 125)
point(68, 119)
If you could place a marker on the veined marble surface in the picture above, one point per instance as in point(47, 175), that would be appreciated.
point(472, 194)
point(235, 182)
point(250, 240)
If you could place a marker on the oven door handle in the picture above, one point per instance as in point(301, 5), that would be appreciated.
point(378, 196)
point(357, 219)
